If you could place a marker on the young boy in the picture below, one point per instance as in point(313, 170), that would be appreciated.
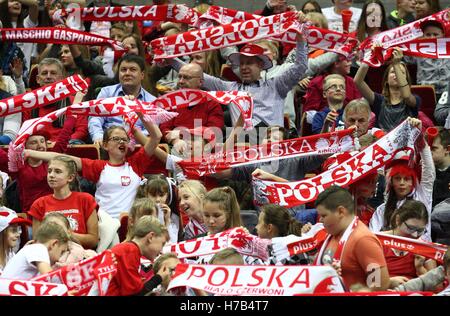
point(441, 159)
point(149, 239)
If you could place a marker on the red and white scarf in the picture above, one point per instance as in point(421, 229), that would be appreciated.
point(89, 277)
point(285, 247)
point(237, 238)
point(191, 97)
point(299, 147)
point(337, 257)
point(30, 288)
point(177, 13)
point(256, 280)
point(403, 35)
point(56, 35)
point(429, 250)
point(276, 26)
point(290, 194)
point(43, 96)
point(316, 37)
point(114, 106)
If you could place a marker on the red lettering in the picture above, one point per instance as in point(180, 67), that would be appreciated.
point(196, 243)
point(236, 276)
point(258, 278)
point(194, 269)
point(213, 273)
point(300, 280)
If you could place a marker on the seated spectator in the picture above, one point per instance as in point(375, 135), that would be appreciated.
point(80, 208)
point(334, 17)
point(131, 75)
point(404, 14)
point(315, 98)
point(410, 221)
point(361, 253)
point(209, 114)
point(51, 70)
point(441, 159)
point(396, 103)
point(331, 118)
point(191, 194)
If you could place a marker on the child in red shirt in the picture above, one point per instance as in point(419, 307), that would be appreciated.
point(149, 238)
point(78, 207)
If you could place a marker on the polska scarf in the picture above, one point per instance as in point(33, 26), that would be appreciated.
point(254, 280)
point(56, 35)
point(290, 194)
point(237, 238)
point(30, 288)
point(89, 277)
point(299, 147)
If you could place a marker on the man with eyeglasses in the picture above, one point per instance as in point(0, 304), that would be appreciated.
point(208, 114)
point(331, 118)
point(131, 70)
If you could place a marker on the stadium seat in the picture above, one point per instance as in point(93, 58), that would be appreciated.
point(428, 96)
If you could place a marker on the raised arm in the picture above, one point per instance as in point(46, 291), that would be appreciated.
point(365, 90)
point(154, 132)
point(400, 73)
point(48, 155)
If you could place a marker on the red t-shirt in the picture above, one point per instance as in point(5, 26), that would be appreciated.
point(400, 265)
point(78, 207)
point(127, 280)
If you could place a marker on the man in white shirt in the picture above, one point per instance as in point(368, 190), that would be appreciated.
point(334, 17)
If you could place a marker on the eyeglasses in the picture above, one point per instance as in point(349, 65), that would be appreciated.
point(185, 77)
point(119, 140)
point(335, 87)
point(411, 229)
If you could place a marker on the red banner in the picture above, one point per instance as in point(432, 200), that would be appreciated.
point(168, 12)
point(290, 194)
point(299, 147)
point(30, 288)
point(43, 96)
point(57, 36)
point(89, 277)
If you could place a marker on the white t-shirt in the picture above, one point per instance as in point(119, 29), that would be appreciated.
point(23, 265)
point(335, 20)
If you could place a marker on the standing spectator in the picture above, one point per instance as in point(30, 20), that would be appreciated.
point(372, 21)
point(334, 17)
point(441, 159)
point(350, 248)
point(51, 70)
point(396, 102)
point(404, 14)
point(311, 6)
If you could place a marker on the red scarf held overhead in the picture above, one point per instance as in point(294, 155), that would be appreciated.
point(43, 96)
point(299, 147)
point(57, 36)
point(406, 37)
point(283, 26)
point(290, 194)
point(177, 13)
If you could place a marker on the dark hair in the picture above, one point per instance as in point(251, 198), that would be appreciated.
point(362, 25)
point(314, 3)
point(72, 169)
point(278, 128)
point(409, 209)
point(5, 17)
point(434, 7)
point(335, 196)
point(120, 26)
point(434, 23)
point(282, 220)
point(444, 136)
point(139, 43)
point(385, 83)
point(130, 58)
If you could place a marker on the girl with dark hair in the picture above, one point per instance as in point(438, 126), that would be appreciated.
point(372, 20)
point(275, 221)
point(410, 221)
point(311, 6)
point(426, 7)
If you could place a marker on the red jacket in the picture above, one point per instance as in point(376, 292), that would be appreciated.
point(314, 99)
point(210, 114)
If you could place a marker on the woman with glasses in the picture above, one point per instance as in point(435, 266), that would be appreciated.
point(410, 221)
point(311, 6)
point(118, 178)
